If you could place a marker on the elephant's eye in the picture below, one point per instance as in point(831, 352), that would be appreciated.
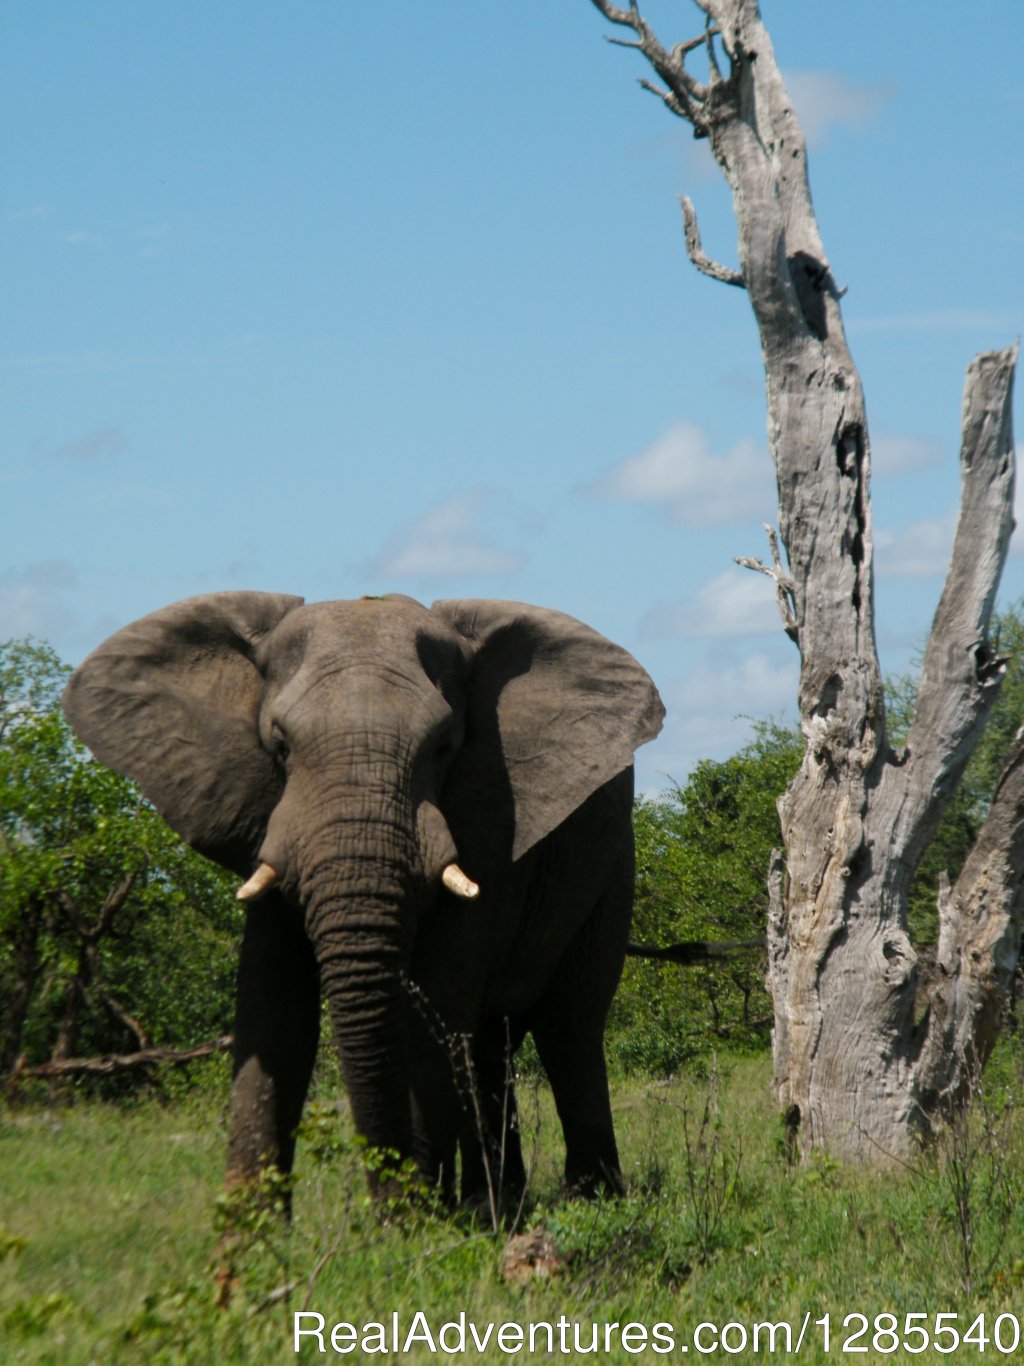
point(279, 744)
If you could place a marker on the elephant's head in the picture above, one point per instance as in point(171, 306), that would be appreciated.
point(325, 747)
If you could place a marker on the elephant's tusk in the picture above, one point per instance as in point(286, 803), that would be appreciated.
point(456, 881)
point(258, 885)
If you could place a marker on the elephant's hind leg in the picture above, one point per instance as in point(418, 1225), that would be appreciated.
point(277, 1026)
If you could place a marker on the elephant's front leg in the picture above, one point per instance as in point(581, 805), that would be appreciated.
point(493, 1172)
point(436, 1112)
point(277, 1026)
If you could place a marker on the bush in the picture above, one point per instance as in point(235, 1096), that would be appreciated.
point(113, 935)
point(703, 851)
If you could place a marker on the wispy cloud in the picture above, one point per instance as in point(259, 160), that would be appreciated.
point(83, 363)
point(755, 685)
point(922, 549)
point(231, 353)
point(697, 487)
point(825, 100)
point(244, 568)
point(916, 551)
point(939, 320)
point(154, 239)
point(31, 601)
point(78, 237)
point(103, 443)
point(734, 603)
point(31, 212)
point(901, 454)
point(710, 710)
point(445, 542)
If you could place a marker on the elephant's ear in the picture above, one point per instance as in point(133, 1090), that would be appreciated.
point(172, 702)
point(554, 703)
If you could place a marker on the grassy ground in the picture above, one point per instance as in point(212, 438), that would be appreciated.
point(108, 1231)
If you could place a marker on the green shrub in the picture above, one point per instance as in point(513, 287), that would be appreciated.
point(703, 852)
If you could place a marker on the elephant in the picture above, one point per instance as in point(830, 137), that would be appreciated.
point(431, 810)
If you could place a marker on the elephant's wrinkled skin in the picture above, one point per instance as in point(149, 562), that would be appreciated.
point(359, 748)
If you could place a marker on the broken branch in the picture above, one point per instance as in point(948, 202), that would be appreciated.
point(690, 951)
point(117, 1062)
point(696, 252)
point(669, 98)
point(785, 588)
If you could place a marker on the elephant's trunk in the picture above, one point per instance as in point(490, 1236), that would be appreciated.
point(362, 971)
point(361, 905)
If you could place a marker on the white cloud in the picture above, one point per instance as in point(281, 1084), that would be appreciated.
point(710, 712)
point(937, 320)
point(900, 454)
point(824, 100)
point(698, 487)
point(78, 237)
point(444, 542)
point(727, 687)
point(31, 599)
point(916, 551)
point(922, 549)
point(737, 602)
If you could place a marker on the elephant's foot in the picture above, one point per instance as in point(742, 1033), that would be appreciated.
point(603, 1183)
point(501, 1211)
point(493, 1191)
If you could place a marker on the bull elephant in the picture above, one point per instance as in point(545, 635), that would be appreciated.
point(431, 811)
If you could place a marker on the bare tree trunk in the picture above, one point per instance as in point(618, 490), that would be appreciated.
point(71, 1017)
point(851, 1070)
point(89, 976)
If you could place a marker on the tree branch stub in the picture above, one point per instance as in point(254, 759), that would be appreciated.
point(784, 585)
point(695, 251)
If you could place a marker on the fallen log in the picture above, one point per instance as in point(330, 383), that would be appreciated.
point(110, 1063)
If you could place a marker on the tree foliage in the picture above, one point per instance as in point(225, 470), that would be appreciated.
point(703, 852)
point(702, 858)
point(113, 935)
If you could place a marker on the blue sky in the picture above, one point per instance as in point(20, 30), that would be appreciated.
point(336, 299)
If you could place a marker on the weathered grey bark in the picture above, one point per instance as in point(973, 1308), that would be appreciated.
point(852, 1071)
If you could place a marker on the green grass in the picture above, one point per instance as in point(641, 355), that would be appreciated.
point(109, 1232)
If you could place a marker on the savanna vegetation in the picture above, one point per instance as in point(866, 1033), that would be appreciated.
point(114, 937)
point(115, 940)
point(110, 1216)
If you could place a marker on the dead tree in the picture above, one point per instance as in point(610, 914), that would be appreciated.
point(854, 1071)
